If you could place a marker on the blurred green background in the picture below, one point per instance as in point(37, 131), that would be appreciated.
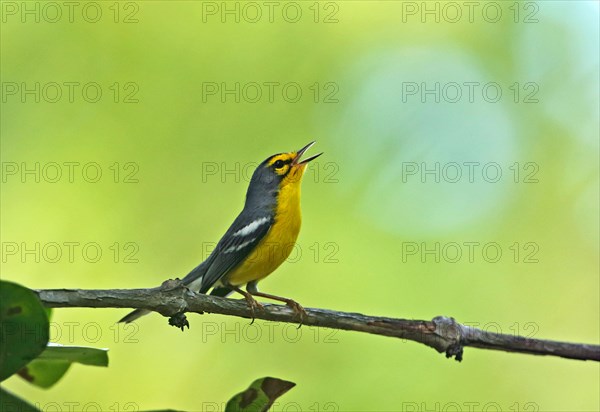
point(184, 156)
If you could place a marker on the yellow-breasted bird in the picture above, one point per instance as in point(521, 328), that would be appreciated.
point(259, 239)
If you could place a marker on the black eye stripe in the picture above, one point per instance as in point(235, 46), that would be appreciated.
point(278, 164)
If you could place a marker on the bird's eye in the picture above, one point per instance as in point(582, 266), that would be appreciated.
point(278, 164)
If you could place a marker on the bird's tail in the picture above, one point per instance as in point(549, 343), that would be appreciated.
point(131, 316)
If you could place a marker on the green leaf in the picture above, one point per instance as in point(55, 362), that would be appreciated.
point(12, 403)
point(259, 397)
point(44, 373)
point(79, 354)
point(23, 328)
point(56, 360)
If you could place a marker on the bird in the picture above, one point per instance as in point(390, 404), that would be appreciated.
point(259, 240)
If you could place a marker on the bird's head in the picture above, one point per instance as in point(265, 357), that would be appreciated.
point(288, 168)
point(279, 171)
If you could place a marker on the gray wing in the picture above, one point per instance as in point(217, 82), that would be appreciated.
point(239, 241)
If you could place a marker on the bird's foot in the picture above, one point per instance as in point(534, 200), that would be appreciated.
point(253, 304)
point(300, 311)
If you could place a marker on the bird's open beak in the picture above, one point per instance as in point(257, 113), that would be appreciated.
point(299, 153)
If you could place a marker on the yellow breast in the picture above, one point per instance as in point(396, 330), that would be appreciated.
point(277, 244)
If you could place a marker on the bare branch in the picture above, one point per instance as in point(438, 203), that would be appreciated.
point(443, 334)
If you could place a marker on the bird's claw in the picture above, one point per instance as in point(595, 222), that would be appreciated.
point(296, 307)
point(253, 304)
